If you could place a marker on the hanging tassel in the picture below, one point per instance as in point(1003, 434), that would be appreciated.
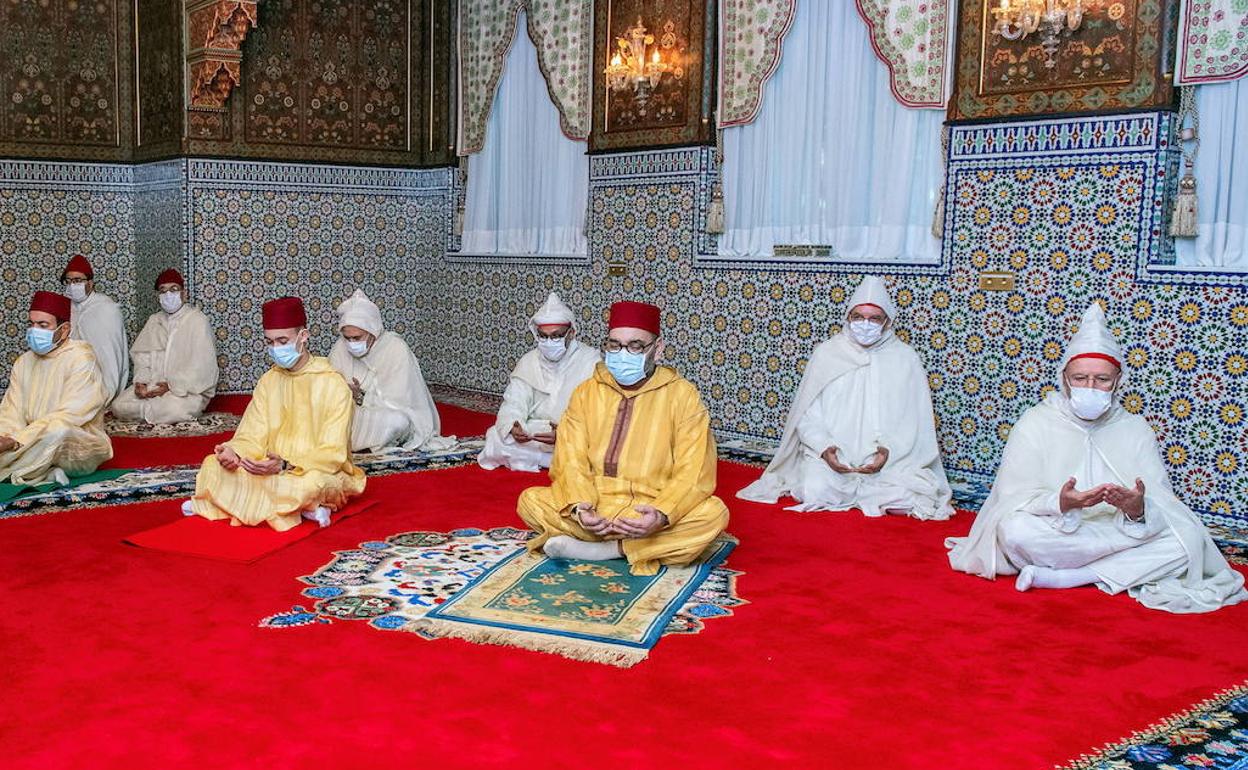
point(1183, 222)
point(1183, 219)
point(457, 222)
point(938, 215)
point(461, 195)
point(715, 214)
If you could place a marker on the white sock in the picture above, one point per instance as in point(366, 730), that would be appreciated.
point(1045, 577)
point(320, 515)
point(565, 547)
point(187, 510)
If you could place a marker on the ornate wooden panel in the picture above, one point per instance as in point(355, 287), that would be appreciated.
point(65, 71)
point(1118, 59)
point(339, 81)
point(678, 108)
point(159, 52)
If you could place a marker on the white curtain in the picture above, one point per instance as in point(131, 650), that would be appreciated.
point(832, 158)
point(528, 187)
point(1221, 180)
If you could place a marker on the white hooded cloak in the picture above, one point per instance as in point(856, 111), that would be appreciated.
point(536, 395)
point(858, 399)
point(397, 408)
point(97, 321)
point(179, 349)
point(1167, 561)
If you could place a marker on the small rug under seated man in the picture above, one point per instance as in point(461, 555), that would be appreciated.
point(197, 536)
point(587, 610)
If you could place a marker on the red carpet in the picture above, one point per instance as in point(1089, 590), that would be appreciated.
point(197, 536)
point(132, 452)
point(860, 649)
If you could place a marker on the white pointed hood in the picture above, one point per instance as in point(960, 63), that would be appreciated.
point(360, 311)
point(872, 292)
point(1093, 336)
point(552, 312)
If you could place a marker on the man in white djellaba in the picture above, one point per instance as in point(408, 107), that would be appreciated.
point(861, 432)
point(393, 407)
point(1082, 498)
point(523, 436)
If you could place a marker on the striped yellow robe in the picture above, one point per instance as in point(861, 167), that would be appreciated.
point(54, 409)
point(303, 417)
point(618, 448)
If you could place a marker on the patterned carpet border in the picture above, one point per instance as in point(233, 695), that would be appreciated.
point(474, 400)
point(167, 482)
point(208, 424)
point(393, 584)
point(1212, 734)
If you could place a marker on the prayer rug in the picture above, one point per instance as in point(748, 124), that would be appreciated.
point(1212, 734)
point(163, 482)
point(10, 492)
point(425, 582)
point(205, 425)
point(197, 536)
point(473, 400)
point(585, 610)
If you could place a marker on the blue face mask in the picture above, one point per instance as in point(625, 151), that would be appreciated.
point(40, 340)
point(627, 368)
point(286, 355)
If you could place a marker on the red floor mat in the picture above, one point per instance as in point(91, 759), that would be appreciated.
point(197, 536)
point(860, 648)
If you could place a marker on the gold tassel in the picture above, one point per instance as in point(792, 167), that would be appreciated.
point(715, 213)
point(457, 222)
point(461, 195)
point(938, 215)
point(1183, 222)
point(1183, 219)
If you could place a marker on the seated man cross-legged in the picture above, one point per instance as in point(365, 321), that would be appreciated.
point(52, 415)
point(175, 361)
point(523, 436)
point(1082, 498)
point(861, 433)
point(291, 453)
point(633, 474)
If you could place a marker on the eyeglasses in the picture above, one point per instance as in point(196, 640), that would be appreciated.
point(1084, 380)
point(634, 347)
point(73, 281)
point(541, 335)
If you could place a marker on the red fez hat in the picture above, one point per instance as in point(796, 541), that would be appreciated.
point(638, 315)
point(170, 276)
point(79, 264)
point(284, 313)
point(52, 304)
point(1100, 356)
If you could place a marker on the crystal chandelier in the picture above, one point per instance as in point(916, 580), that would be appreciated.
point(637, 61)
point(1016, 19)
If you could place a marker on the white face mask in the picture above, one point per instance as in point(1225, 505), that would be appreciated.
point(76, 291)
point(171, 301)
point(553, 349)
point(866, 333)
point(1090, 403)
point(357, 348)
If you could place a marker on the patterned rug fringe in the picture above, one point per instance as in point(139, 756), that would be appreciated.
point(1154, 731)
point(583, 650)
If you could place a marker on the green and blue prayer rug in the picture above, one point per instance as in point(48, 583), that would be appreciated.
point(1212, 734)
point(484, 586)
